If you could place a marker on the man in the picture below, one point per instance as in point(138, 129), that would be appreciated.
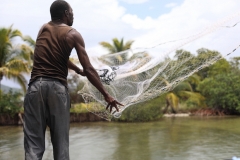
point(47, 100)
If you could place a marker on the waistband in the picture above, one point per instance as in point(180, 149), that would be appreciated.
point(44, 79)
point(47, 79)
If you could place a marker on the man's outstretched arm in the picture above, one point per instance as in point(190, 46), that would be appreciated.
point(76, 40)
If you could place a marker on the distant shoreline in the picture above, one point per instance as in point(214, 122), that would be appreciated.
point(177, 115)
point(74, 117)
point(90, 117)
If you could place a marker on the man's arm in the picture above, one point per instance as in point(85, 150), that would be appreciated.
point(75, 68)
point(75, 40)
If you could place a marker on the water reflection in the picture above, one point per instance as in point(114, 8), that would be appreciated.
point(10, 142)
point(93, 140)
point(167, 139)
point(133, 141)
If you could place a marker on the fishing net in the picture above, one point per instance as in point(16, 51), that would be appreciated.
point(135, 75)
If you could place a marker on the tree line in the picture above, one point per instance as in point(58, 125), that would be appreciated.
point(216, 87)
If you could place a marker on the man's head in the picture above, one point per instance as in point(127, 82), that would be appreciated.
point(61, 10)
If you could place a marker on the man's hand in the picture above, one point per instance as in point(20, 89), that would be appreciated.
point(75, 68)
point(112, 103)
point(80, 72)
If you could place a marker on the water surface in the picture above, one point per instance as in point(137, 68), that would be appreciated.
point(188, 138)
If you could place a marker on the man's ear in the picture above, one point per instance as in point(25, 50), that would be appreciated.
point(66, 13)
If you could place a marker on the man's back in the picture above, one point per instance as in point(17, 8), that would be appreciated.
point(47, 102)
point(52, 52)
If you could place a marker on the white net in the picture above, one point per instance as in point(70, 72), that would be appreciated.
point(135, 76)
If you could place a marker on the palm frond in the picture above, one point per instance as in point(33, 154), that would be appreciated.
point(22, 53)
point(128, 45)
point(108, 46)
point(18, 64)
point(172, 99)
point(15, 33)
point(195, 97)
point(194, 79)
point(117, 46)
point(21, 80)
point(26, 52)
point(186, 86)
point(29, 40)
point(15, 60)
point(4, 71)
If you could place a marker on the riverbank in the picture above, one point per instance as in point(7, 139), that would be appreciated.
point(17, 119)
point(177, 115)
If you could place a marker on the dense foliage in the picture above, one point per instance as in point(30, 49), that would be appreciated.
point(222, 91)
point(10, 103)
point(146, 111)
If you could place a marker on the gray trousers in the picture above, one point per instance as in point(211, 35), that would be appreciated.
point(47, 103)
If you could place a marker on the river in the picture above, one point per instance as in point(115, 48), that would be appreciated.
point(179, 138)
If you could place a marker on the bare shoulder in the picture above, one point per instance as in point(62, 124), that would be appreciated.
point(74, 38)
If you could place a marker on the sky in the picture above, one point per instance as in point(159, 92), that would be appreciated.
point(147, 22)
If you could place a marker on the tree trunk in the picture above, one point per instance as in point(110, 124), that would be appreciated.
point(1, 77)
point(20, 118)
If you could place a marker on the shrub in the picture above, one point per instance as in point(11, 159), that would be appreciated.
point(11, 103)
point(222, 91)
point(78, 108)
point(86, 107)
point(146, 111)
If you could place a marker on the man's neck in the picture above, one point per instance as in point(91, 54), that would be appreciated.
point(59, 22)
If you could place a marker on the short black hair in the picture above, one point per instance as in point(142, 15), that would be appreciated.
point(58, 8)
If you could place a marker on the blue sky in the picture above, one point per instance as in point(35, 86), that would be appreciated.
point(151, 8)
point(147, 22)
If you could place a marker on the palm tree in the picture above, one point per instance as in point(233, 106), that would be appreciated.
point(185, 91)
point(15, 61)
point(117, 46)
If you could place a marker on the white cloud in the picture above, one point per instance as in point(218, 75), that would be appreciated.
point(134, 1)
point(188, 19)
point(170, 5)
point(138, 23)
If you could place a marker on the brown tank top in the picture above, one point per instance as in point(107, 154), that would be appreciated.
point(52, 53)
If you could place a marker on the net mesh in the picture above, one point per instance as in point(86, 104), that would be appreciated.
point(135, 76)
